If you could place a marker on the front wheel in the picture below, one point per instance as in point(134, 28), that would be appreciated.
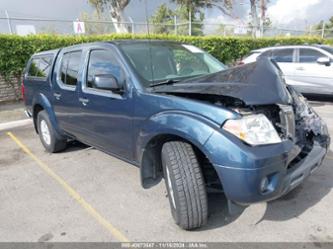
point(185, 185)
point(47, 134)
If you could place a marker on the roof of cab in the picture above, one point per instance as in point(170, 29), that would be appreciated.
point(131, 41)
point(115, 42)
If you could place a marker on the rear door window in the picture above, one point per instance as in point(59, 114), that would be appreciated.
point(40, 66)
point(283, 55)
point(70, 66)
point(307, 55)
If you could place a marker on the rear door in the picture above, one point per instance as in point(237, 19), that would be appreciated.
point(106, 116)
point(67, 77)
point(311, 76)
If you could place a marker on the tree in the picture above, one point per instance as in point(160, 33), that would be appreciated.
point(163, 20)
point(328, 27)
point(115, 8)
point(191, 10)
point(258, 24)
point(94, 23)
point(195, 5)
point(197, 18)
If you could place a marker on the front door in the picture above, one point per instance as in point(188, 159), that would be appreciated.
point(313, 77)
point(107, 116)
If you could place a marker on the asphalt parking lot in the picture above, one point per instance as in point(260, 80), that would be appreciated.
point(83, 194)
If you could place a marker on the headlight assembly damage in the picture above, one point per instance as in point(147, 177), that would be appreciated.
point(273, 124)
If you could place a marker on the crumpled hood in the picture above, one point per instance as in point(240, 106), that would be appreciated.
point(257, 83)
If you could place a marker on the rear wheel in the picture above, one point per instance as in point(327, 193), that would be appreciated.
point(47, 134)
point(185, 185)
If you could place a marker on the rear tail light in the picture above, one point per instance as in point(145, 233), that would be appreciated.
point(23, 90)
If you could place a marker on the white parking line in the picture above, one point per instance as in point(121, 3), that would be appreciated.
point(71, 191)
point(14, 124)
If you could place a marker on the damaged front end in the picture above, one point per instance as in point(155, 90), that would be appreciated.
point(269, 171)
point(298, 122)
point(271, 142)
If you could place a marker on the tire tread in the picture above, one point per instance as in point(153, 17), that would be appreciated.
point(190, 187)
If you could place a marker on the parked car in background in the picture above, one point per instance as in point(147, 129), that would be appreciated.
point(309, 69)
point(177, 113)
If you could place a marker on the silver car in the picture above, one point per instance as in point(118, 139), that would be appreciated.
point(307, 68)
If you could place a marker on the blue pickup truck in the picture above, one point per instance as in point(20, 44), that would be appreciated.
point(178, 113)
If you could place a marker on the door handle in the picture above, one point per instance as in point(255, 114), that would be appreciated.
point(84, 101)
point(57, 95)
point(300, 68)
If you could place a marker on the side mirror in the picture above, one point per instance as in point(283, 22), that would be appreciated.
point(324, 61)
point(107, 82)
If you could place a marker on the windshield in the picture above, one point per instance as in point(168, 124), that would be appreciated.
point(328, 49)
point(158, 61)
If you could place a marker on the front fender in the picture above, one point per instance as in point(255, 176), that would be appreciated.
point(43, 101)
point(193, 128)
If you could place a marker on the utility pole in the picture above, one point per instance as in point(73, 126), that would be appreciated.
point(323, 30)
point(189, 22)
point(175, 23)
point(8, 22)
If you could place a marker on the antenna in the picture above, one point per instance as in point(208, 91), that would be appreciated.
point(149, 44)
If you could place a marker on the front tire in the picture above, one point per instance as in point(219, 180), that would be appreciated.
point(47, 134)
point(185, 185)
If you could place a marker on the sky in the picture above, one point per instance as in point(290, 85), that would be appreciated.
point(300, 13)
point(284, 13)
point(69, 9)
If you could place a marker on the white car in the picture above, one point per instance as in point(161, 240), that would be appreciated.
point(307, 68)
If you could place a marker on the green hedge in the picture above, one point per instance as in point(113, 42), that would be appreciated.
point(16, 50)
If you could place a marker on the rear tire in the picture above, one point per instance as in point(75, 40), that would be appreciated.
point(47, 134)
point(185, 185)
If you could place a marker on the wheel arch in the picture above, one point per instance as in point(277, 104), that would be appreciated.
point(36, 109)
point(151, 169)
point(169, 126)
point(40, 103)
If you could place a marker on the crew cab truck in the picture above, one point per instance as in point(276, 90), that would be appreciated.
point(178, 113)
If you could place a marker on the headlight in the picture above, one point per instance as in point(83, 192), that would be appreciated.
point(253, 129)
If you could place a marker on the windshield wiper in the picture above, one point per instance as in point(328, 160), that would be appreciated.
point(164, 82)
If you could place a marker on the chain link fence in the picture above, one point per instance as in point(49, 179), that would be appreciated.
point(24, 26)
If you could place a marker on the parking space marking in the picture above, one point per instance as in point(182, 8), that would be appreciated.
point(75, 195)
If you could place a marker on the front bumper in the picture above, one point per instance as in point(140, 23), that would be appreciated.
point(243, 186)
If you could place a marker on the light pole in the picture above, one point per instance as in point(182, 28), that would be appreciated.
point(8, 22)
point(132, 24)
